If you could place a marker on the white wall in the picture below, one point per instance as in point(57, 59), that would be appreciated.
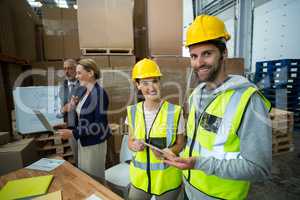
point(228, 17)
point(187, 20)
point(276, 31)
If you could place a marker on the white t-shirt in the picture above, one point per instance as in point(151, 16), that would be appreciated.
point(80, 104)
point(150, 116)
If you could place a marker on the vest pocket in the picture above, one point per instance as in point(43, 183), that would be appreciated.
point(210, 122)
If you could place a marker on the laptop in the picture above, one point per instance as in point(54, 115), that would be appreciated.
point(44, 121)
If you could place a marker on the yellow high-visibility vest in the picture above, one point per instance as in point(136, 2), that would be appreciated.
point(214, 134)
point(146, 171)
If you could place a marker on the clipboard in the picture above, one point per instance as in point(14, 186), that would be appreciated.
point(26, 187)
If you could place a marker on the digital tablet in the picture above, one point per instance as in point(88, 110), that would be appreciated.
point(164, 153)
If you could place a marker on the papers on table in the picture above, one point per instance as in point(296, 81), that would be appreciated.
point(93, 197)
point(26, 187)
point(45, 164)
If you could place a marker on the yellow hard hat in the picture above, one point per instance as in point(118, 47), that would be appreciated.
point(204, 28)
point(145, 68)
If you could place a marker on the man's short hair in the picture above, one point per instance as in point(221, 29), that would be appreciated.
point(70, 62)
point(219, 43)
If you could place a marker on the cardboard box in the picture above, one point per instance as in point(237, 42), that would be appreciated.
point(4, 138)
point(16, 37)
point(105, 23)
point(122, 62)
point(122, 66)
point(102, 61)
point(140, 29)
point(175, 71)
point(4, 104)
point(71, 46)
point(71, 36)
point(234, 66)
point(17, 155)
point(61, 38)
point(165, 30)
point(54, 47)
point(25, 38)
point(53, 68)
point(7, 36)
point(156, 33)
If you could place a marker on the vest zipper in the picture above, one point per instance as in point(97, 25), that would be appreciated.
point(147, 148)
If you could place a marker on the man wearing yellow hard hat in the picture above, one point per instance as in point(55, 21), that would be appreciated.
point(159, 123)
point(229, 139)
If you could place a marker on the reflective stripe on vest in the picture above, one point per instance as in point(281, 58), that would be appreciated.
point(170, 122)
point(132, 111)
point(223, 131)
point(222, 144)
point(146, 171)
point(153, 166)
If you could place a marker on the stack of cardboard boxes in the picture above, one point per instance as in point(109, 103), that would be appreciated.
point(60, 33)
point(16, 155)
point(155, 32)
point(106, 35)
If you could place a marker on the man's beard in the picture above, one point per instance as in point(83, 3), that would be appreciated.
point(212, 74)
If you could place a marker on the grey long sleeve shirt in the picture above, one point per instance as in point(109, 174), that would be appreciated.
point(255, 146)
point(255, 135)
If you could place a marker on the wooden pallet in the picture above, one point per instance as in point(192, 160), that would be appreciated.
point(59, 149)
point(282, 121)
point(50, 145)
point(286, 125)
point(282, 131)
point(106, 51)
point(282, 143)
point(281, 115)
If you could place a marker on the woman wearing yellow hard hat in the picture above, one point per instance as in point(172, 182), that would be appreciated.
point(156, 130)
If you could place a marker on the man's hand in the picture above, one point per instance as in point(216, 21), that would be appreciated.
point(182, 163)
point(169, 154)
point(65, 133)
point(70, 105)
point(136, 145)
point(157, 154)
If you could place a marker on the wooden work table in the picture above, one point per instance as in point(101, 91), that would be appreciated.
point(73, 183)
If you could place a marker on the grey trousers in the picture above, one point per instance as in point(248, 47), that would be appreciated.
point(91, 159)
point(136, 194)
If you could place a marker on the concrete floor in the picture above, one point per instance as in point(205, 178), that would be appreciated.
point(285, 181)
